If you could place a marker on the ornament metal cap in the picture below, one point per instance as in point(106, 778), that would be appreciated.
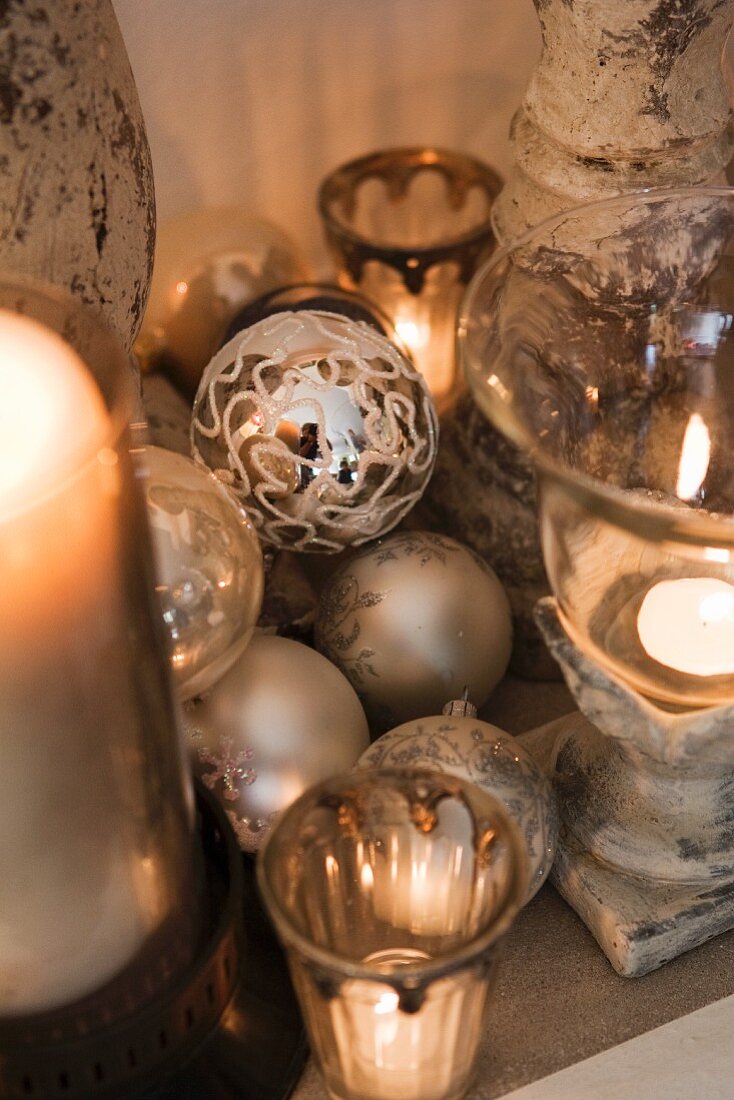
point(460, 708)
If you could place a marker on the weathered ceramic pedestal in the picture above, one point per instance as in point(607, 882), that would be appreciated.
point(627, 94)
point(646, 800)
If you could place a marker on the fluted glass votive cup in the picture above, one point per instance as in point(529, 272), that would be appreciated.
point(408, 227)
point(390, 890)
point(602, 343)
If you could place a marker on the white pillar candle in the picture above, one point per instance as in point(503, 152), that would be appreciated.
point(688, 625)
point(73, 906)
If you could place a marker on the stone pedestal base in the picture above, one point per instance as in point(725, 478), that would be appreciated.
point(646, 805)
point(639, 924)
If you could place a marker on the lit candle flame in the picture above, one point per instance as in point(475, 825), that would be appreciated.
point(694, 459)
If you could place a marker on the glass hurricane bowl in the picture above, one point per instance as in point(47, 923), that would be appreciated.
point(601, 344)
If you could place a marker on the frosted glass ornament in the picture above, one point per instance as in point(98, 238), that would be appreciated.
point(209, 265)
point(209, 568)
point(461, 744)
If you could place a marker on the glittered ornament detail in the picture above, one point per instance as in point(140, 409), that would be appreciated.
point(229, 766)
point(320, 425)
point(251, 832)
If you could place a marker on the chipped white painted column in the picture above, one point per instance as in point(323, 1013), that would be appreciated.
point(646, 801)
point(627, 94)
point(76, 185)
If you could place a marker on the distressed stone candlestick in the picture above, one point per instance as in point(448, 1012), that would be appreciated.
point(76, 184)
point(627, 94)
point(646, 797)
point(602, 344)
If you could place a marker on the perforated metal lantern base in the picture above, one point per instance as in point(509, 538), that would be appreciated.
point(226, 1026)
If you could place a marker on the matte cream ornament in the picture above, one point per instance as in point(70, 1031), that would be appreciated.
point(209, 265)
point(459, 743)
point(321, 426)
point(412, 620)
point(209, 568)
point(282, 719)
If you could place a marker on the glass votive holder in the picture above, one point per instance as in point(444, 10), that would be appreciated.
point(408, 227)
point(390, 889)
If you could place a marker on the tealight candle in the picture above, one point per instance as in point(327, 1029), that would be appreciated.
point(390, 1054)
point(687, 624)
point(74, 904)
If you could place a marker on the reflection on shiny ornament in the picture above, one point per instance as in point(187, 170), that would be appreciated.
point(209, 264)
point(209, 568)
point(461, 744)
point(281, 719)
point(412, 620)
point(321, 426)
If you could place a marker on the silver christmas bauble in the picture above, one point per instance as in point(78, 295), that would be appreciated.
point(209, 568)
point(280, 720)
point(322, 427)
point(492, 759)
point(413, 620)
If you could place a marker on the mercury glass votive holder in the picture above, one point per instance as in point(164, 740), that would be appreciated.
point(408, 227)
point(601, 343)
point(391, 889)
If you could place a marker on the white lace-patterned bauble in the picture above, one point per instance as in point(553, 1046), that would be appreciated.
point(321, 426)
point(209, 567)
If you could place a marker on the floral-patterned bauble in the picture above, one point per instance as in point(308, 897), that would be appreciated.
point(321, 426)
point(209, 568)
point(496, 761)
point(412, 620)
point(282, 719)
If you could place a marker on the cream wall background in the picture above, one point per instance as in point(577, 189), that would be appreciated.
point(252, 102)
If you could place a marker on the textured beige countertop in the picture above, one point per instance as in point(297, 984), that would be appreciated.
point(557, 999)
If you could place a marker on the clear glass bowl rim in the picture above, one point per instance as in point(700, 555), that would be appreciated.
point(636, 513)
point(425, 971)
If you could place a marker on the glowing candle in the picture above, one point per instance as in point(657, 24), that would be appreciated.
point(425, 886)
point(426, 324)
point(688, 625)
point(390, 1054)
point(73, 905)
